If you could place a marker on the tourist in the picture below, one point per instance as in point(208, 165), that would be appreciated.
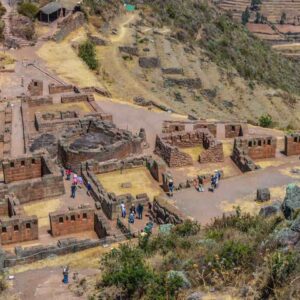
point(68, 173)
point(140, 209)
point(89, 188)
point(62, 172)
point(73, 190)
point(131, 218)
point(171, 187)
point(75, 179)
point(123, 210)
point(80, 181)
point(213, 183)
point(132, 209)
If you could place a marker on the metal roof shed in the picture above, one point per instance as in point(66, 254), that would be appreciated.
point(51, 12)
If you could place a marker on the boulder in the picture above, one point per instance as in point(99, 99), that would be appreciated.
point(263, 194)
point(287, 237)
point(270, 210)
point(296, 225)
point(291, 202)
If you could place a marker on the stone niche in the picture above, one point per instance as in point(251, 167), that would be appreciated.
point(99, 140)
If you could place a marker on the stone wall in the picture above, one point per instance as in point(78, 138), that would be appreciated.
point(3, 207)
point(95, 139)
point(68, 24)
point(18, 229)
point(72, 221)
point(109, 202)
point(76, 98)
point(234, 130)
point(37, 101)
point(60, 88)
point(35, 87)
point(247, 149)
point(7, 132)
point(163, 212)
point(292, 144)
point(157, 168)
point(27, 188)
point(168, 147)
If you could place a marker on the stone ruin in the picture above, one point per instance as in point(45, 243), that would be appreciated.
point(292, 144)
point(168, 147)
point(249, 148)
point(99, 140)
point(110, 202)
point(35, 88)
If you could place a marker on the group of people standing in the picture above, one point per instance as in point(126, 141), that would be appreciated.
point(134, 212)
point(77, 182)
point(214, 181)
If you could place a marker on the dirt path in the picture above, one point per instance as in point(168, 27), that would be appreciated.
point(17, 137)
point(233, 192)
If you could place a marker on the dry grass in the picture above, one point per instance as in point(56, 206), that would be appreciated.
point(139, 178)
point(227, 148)
point(62, 59)
point(42, 209)
point(287, 172)
point(194, 152)
point(269, 163)
point(7, 61)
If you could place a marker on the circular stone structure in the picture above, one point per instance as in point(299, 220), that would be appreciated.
point(99, 140)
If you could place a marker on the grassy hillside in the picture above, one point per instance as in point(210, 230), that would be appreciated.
point(227, 43)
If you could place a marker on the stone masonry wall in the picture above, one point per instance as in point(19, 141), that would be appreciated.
point(72, 221)
point(22, 168)
point(165, 213)
point(35, 88)
point(60, 88)
point(18, 229)
point(292, 144)
point(233, 130)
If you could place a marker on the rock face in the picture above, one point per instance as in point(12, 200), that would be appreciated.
point(270, 210)
point(149, 62)
point(296, 225)
point(263, 195)
point(291, 202)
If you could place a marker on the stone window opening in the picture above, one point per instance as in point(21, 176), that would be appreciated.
point(78, 216)
point(35, 83)
point(61, 220)
point(33, 161)
point(22, 163)
point(295, 139)
point(232, 128)
point(269, 142)
point(84, 216)
point(28, 225)
point(176, 128)
point(12, 164)
point(16, 228)
point(4, 229)
point(259, 143)
point(250, 143)
point(72, 218)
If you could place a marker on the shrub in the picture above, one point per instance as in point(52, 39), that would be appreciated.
point(87, 53)
point(2, 10)
point(187, 228)
point(28, 9)
point(265, 121)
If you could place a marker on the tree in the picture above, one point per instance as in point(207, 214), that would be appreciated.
point(257, 18)
point(245, 16)
point(87, 53)
point(28, 9)
point(265, 121)
point(283, 18)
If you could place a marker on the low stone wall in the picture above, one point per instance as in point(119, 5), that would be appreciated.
point(165, 213)
point(7, 132)
point(35, 87)
point(192, 83)
point(37, 101)
point(75, 98)
point(292, 144)
point(68, 24)
point(102, 228)
point(60, 88)
point(233, 130)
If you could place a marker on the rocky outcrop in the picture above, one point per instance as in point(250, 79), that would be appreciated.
point(287, 237)
point(149, 62)
point(270, 210)
point(291, 202)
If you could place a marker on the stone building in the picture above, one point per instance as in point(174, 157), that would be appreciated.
point(292, 144)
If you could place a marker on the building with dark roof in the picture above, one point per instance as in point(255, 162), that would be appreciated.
point(51, 12)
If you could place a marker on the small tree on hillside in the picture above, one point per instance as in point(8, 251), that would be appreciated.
point(245, 16)
point(265, 121)
point(283, 18)
point(87, 53)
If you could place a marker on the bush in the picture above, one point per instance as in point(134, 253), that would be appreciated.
point(187, 228)
point(2, 10)
point(87, 53)
point(265, 121)
point(28, 9)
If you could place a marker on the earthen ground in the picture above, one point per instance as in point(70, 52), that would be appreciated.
point(139, 178)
